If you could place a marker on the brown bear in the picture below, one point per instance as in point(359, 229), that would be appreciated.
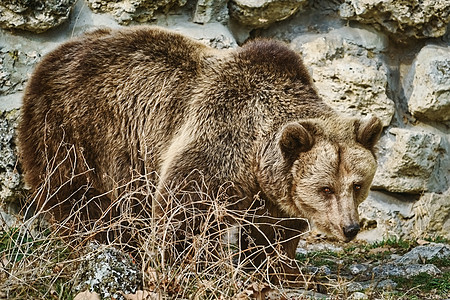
point(111, 104)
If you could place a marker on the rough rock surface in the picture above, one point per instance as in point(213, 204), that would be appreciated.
point(429, 89)
point(348, 76)
point(7, 220)
point(384, 216)
point(432, 216)
point(109, 272)
point(33, 15)
point(407, 271)
point(15, 67)
point(210, 10)
point(426, 252)
point(410, 162)
point(9, 176)
point(262, 13)
point(409, 18)
point(386, 284)
point(125, 11)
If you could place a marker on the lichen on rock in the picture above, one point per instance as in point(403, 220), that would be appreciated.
point(108, 271)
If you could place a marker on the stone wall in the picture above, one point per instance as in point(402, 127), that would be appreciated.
point(387, 58)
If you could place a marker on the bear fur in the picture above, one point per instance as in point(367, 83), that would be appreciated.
point(111, 104)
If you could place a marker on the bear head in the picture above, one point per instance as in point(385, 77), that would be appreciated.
point(328, 166)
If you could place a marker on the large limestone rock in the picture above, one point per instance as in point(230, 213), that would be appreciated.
point(125, 11)
point(428, 87)
point(33, 15)
point(383, 216)
point(262, 13)
point(409, 18)
point(411, 162)
point(347, 72)
point(432, 215)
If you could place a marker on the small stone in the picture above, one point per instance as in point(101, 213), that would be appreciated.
point(322, 270)
point(357, 269)
point(314, 247)
point(386, 284)
point(108, 271)
point(301, 251)
point(394, 270)
point(358, 296)
point(7, 220)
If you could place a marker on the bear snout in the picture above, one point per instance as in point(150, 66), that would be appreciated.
point(350, 231)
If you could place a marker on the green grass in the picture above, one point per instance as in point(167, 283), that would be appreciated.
point(34, 267)
point(394, 242)
point(440, 262)
point(438, 239)
point(17, 244)
point(426, 283)
point(63, 290)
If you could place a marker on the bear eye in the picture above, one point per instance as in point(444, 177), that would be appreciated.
point(327, 190)
point(357, 187)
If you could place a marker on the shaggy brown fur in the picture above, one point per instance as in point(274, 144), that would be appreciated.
point(145, 100)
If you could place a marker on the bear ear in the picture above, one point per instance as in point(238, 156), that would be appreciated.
point(295, 138)
point(368, 132)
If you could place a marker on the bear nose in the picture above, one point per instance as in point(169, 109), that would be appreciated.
point(351, 231)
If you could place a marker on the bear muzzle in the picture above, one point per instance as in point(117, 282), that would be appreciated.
point(350, 231)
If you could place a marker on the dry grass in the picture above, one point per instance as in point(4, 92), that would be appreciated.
point(189, 250)
point(183, 247)
point(43, 261)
